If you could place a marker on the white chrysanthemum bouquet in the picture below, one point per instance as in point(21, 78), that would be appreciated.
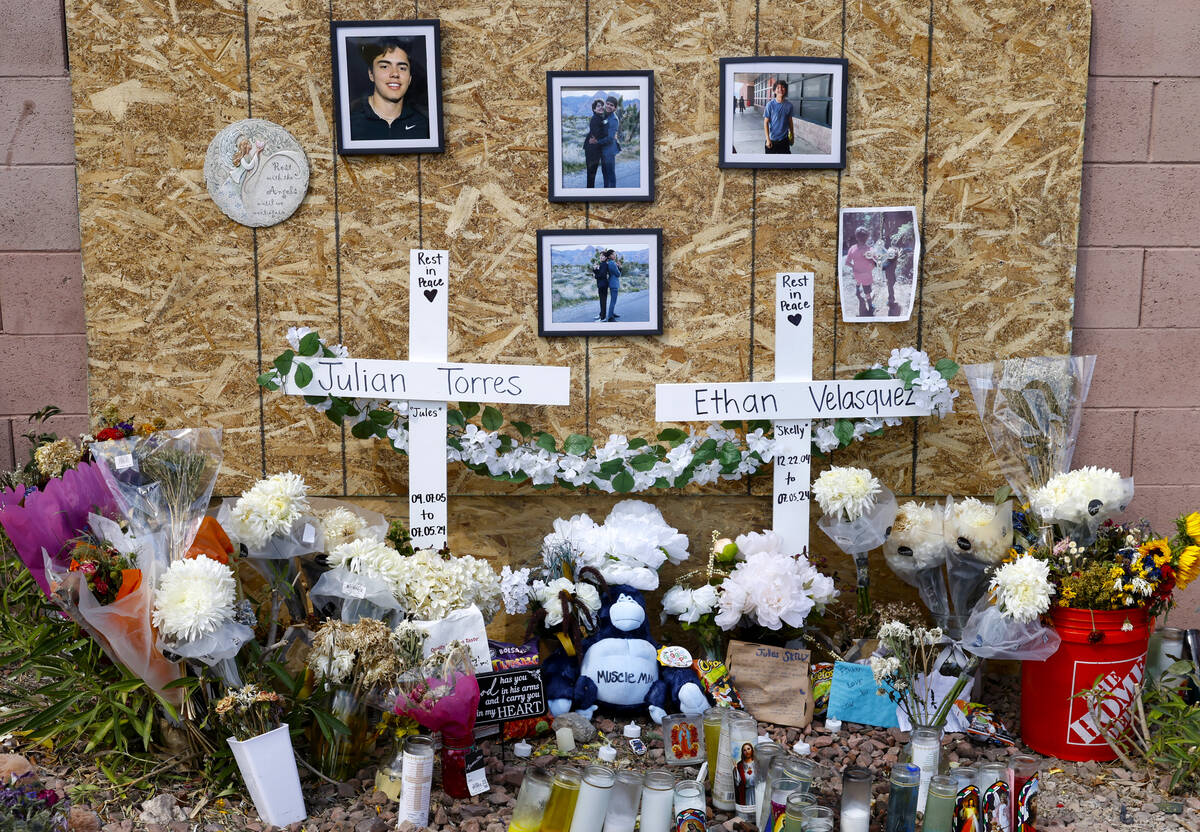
point(858, 512)
point(978, 536)
point(1006, 623)
point(1080, 500)
point(197, 615)
point(273, 519)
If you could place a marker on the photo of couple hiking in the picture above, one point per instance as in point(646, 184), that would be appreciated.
point(600, 140)
point(599, 283)
point(877, 255)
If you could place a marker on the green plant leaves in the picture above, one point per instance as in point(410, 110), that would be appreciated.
point(304, 375)
point(492, 419)
point(310, 344)
point(577, 444)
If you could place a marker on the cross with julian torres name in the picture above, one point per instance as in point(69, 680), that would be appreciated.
point(791, 402)
point(427, 381)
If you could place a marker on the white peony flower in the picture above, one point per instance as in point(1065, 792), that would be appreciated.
point(1076, 495)
point(1022, 588)
point(341, 525)
point(268, 508)
point(688, 605)
point(194, 598)
point(752, 543)
point(846, 492)
point(774, 588)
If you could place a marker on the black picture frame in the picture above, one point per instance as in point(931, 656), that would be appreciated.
point(568, 297)
point(351, 84)
point(819, 120)
point(569, 97)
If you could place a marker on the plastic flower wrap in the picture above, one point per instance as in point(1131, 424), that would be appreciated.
point(1030, 409)
point(197, 615)
point(120, 618)
point(273, 519)
point(629, 548)
point(442, 693)
point(162, 482)
point(46, 519)
point(343, 522)
point(1006, 623)
point(978, 536)
point(1079, 501)
point(858, 512)
point(364, 581)
point(916, 552)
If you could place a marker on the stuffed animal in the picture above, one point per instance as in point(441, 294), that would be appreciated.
point(618, 668)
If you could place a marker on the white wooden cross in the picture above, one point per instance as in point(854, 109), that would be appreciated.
point(791, 402)
point(427, 381)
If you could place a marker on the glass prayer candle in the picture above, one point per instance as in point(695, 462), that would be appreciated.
point(560, 806)
point(594, 794)
point(689, 806)
point(939, 806)
point(531, 801)
point(455, 750)
point(743, 742)
point(856, 800)
point(926, 744)
point(767, 753)
point(774, 771)
point(993, 797)
point(1024, 793)
point(902, 801)
point(1166, 648)
point(623, 806)
point(658, 801)
point(793, 814)
point(714, 718)
point(387, 777)
point(964, 776)
point(683, 740)
point(417, 780)
point(816, 819)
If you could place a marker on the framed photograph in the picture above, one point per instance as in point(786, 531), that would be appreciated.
point(783, 113)
point(601, 136)
point(879, 250)
point(600, 282)
point(387, 86)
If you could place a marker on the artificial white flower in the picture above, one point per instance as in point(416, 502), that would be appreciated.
point(846, 492)
point(1022, 588)
point(825, 438)
point(1075, 496)
point(752, 543)
point(194, 598)
point(773, 588)
point(985, 528)
point(548, 596)
point(341, 525)
point(268, 508)
point(688, 605)
point(294, 334)
point(515, 590)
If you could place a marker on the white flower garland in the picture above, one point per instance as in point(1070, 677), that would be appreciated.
point(620, 465)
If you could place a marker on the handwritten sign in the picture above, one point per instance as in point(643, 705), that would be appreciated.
point(510, 694)
point(793, 437)
point(854, 697)
point(428, 331)
point(772, 682)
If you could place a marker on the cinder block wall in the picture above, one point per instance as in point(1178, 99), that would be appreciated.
point(1136, 290)
point(42, 349)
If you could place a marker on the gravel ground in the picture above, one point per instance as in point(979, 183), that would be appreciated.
point(1076, 796)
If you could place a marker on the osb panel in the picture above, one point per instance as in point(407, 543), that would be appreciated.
point(169, 282)
point(796, 228)
point(887, 46)
point(485, 197)
point(704, 212)
point(509, 530)
point(1007, 90)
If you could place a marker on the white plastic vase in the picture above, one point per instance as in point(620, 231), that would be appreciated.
point(268, 766)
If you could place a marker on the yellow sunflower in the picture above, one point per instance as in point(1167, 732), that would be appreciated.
point(1189, 566)
point(1159, 549)
point(1192, 525)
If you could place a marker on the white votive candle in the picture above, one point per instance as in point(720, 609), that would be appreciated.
point(566, 739)
point(856, 819)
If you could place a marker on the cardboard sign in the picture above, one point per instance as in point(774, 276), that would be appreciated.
point(772, 682)
point(510, 694)
point(854, 697)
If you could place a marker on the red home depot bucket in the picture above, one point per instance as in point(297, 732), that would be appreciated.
point(1054, 723)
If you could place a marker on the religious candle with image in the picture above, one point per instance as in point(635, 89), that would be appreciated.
point(743, 741)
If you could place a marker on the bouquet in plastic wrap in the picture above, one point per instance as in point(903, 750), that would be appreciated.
point(108, 589)
point(442, 693)
point(978, 535)
point(162, 483)
point(858, 512)
point(45, 519)
point(916, 552)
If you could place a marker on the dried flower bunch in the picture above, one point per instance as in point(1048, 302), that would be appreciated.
point(367, 655)
point(249, 712)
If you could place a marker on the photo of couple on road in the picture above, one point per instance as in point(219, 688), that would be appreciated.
point(600, 283)
point(600, 137)
point(878, 253)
